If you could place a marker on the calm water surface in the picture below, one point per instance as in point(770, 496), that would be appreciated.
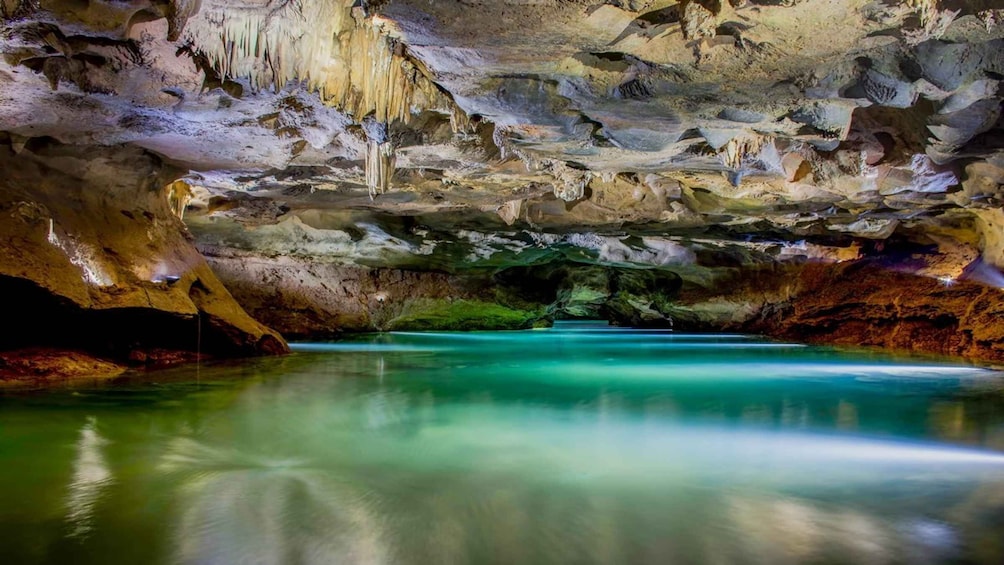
point(573, 445)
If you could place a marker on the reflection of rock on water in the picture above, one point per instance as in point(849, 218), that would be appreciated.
point(235, 507)
point(795, 530)
point(91, 476)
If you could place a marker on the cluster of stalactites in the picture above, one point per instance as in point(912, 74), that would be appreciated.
point(337, 51)
point(380, 156)
point(933, 21)
point(380, 162)
point(569, 183)
point(742, 147)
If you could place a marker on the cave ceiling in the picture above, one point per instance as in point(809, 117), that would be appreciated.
point(637, 132)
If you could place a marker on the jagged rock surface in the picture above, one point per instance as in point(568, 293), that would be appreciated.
point(447, 145)
point(94, 260)
point(323, 300)
point(865, 305)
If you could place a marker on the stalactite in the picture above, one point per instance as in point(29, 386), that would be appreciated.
point(380, 156)
point(380, 164)
point(350, 61)
point(460, 122)
point(934, 22)
point(927, 10)
point(509, 212)
point(178, 194)
point(502, 136)
point(741, 147)
point(570, 183)
point(991, 18)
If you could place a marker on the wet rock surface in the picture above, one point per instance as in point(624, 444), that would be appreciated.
point(47, 366)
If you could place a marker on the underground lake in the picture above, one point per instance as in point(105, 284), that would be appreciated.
point(576, 444)
point(409, 282)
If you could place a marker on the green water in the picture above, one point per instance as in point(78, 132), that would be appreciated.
point(572, 445)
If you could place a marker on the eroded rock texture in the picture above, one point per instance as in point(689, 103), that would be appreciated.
point(95, 261)
point(311, 300)
point(866, 304)
point(354, 165)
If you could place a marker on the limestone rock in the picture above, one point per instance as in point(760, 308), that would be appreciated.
point(98, 262)
point(449, 144)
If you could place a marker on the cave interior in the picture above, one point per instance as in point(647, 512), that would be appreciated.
point(189, 178)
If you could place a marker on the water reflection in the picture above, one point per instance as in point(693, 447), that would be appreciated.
point(535, 447)
point(481, 512)
point(240, 507)
point(403, 478)
point(91, 476)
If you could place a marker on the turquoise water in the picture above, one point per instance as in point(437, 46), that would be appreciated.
point(580, 444)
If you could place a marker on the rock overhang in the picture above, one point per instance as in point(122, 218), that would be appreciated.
point(800, 130)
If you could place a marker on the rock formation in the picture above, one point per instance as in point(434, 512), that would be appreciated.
point(96, 264)
point(818, 169)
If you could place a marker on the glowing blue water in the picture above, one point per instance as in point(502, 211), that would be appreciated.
point(581, 444)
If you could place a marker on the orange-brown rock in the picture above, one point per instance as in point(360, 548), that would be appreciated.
point(865, 304)
point(94, 260)
point(46, 366)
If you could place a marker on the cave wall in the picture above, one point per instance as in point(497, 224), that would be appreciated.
point(866, 304)
point(95, 260)
point(307, 299)
point(877, 301)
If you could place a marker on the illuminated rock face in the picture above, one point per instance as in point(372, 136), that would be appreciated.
point(868, 305)
point(95, 262)
point(454, 143)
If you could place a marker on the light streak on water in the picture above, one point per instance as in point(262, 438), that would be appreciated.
point(91, 476)
point(573, 445)
point(759, 371)
point(360, 347)
point(610, 334)
point(352, 346)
